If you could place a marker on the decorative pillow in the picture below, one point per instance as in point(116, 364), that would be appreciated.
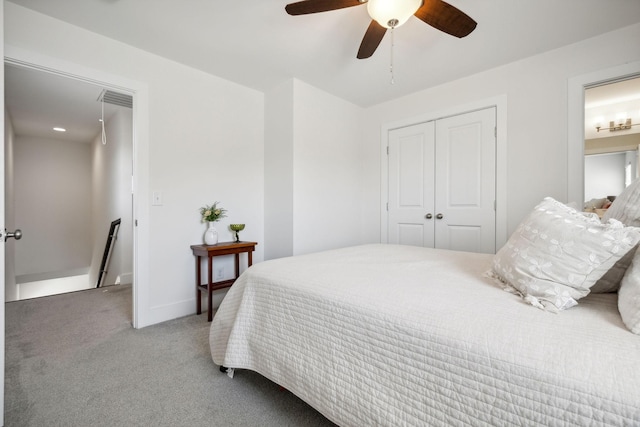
point(626, 207)
point(629, 296)
point(610, 282)
point(557, 254)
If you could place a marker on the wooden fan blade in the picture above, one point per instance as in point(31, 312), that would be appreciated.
point(371, 40)
point(444, 17)
point(314, 6)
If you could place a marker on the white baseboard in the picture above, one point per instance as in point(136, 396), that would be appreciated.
point(42, 288)
point(178, 309)
point(124, 279)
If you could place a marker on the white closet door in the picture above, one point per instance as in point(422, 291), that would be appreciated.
point(465, 182)
point(411, 185)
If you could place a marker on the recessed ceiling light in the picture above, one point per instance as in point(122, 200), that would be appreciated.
point(60, 129)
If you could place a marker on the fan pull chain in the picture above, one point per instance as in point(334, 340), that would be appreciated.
point(393, 81)
point(104, 133)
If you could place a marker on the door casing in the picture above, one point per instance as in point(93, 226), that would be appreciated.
point(500, 104)
point(442, 183)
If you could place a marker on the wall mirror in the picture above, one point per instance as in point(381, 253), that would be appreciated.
point(612, 141)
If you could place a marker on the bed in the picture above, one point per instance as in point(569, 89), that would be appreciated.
point(390, 335)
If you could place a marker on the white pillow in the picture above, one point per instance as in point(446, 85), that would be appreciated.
point(629, 296)
point(557, 254)
point(626, 207)
point(610, 282)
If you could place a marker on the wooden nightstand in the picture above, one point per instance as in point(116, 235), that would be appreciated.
point(210, 251)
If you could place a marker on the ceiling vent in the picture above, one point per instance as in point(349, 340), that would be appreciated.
point(115, 98)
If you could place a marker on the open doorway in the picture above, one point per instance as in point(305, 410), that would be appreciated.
point(66, 187)
point(612, 139)
point(576, 123)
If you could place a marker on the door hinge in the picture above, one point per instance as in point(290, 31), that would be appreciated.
point(387, 150)
point(495, 131)
point(387, 206)
point(495, 205)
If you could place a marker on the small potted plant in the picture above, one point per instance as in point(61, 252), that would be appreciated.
point(210, 214)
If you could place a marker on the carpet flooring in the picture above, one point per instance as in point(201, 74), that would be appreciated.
point(75, 360)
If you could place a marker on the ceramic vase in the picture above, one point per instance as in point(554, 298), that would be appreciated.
point(211, 235)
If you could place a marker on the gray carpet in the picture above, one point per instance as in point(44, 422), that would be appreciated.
point(75, 360)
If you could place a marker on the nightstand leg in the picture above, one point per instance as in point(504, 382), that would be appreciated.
point(198, 283)
point(209, 291)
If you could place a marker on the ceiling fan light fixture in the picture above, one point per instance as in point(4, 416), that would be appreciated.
point(392, 13)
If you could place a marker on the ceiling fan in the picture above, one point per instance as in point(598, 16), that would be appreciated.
point(387, 14)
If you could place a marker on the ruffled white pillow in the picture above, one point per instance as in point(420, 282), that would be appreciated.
point(629, 296)
point(626, 209)
point(557, 254)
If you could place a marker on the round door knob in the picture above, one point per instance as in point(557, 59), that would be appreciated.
point(439, 216)
point(428, 216)
point(16, 235)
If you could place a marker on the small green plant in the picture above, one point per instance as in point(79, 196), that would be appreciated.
point(212, 213)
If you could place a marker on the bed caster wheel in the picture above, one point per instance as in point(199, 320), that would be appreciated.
point(223, 369)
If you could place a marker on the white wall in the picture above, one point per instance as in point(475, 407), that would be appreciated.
point(312, 170)
point(327, 184)
point(604, 175)
point(278, 171)
point(112, 169)
point(205, 143)
point(536, 92)
point(52, 202)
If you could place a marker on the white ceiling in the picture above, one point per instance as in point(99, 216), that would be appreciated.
point(39, 101)
point(256, 44)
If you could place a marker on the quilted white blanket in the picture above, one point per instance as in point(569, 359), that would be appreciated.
point(385, 335)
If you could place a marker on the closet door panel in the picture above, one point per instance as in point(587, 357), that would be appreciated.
point(465, 182)
point(411, 185)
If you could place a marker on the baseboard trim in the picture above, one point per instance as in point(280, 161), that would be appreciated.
point(159, 314)
point(37, 277)
point(124, 279)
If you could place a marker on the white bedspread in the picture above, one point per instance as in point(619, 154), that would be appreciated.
point(385, 335)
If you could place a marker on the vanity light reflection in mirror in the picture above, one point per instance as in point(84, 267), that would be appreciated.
point(612, 139)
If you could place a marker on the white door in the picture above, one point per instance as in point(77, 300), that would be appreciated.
point(2, 225)
point(411, 185)
point(2, 250)
point(442, 183)
point(465, 182)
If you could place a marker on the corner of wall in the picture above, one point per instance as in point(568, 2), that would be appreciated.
point(278, 171)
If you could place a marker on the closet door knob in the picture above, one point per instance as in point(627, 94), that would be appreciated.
point(428, 216)
point(16, 235)
point(439, 216)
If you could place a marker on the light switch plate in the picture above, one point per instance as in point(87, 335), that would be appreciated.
point(156, 198)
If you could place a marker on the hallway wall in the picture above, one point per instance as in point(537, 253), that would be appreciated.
point(52, 194)
point(112, 169)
